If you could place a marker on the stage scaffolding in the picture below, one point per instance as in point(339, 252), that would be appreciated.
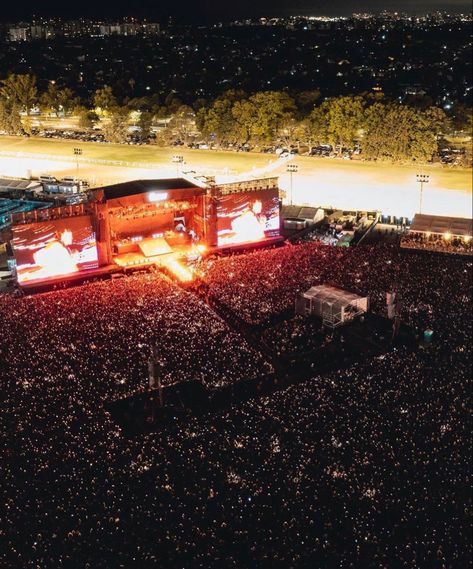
point(333, 305)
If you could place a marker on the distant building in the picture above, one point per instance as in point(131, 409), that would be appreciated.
point(19, 34)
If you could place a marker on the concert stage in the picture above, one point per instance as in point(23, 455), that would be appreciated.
point(168, 224)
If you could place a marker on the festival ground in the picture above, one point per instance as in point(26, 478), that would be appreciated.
point(370, 337)
point(343, 184)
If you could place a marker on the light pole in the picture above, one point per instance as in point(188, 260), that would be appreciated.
point(77, 153)
point(178, 160)
point(422, 179)
point(291, 169)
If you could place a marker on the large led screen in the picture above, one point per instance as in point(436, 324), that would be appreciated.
point(247, 217)
point(54, 248)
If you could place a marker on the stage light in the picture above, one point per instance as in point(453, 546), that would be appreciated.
point(178, 270)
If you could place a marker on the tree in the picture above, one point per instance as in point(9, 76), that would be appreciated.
point(345, 120)
point(217, 122)
point(306, 101)
point(199, 103)
point(316, 125)
point(115, 129)
point(437, 120)
point(144, 124)
point(427, 127)
point(87, 118)
point(383, 135)
point(462, 119)
point(171, 104)
point(57, 100)
point(104, 99)
point(20, 91)
point(244, 114)
point(10, 120)
point(273, 110)
point(262, 116)
point(147, 104)
point(398, 132)
point(182, 123)
point(420, 101)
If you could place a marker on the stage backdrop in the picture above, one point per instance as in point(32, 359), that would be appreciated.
point(247, 217)
point(54, 248)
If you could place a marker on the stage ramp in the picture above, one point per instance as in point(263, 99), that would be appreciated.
point(154, 246)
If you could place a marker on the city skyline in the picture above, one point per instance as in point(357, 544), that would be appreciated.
point(185, 10)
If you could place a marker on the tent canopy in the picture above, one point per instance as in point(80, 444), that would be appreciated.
point(456, 226)
point(334, 305)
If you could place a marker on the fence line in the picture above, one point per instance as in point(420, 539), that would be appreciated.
point(80, 159)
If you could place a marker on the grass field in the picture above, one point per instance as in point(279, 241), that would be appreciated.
point(319, 181)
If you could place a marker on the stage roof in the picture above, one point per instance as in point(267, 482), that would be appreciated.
point(9, 184)
point(439, 224)
point(135, 187)
point(299, 212)
point(333, 296)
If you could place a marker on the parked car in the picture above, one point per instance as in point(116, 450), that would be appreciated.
point(71, 180)
point(47, 179)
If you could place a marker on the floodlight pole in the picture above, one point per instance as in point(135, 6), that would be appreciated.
point(422, 179)
point(77, 153)
point(291, 169)
point(178, 160)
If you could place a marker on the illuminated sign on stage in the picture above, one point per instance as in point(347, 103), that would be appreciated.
point(157, 196)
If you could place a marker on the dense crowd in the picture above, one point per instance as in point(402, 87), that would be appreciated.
point(438, 243)
point(261, 285)
point(101, 336)
point(365, 468)
point(298, 335)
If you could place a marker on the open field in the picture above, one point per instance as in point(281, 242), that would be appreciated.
point(319, 181)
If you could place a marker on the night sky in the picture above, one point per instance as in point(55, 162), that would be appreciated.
point(205, 10)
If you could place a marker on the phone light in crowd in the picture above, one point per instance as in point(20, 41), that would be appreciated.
point(447, 235)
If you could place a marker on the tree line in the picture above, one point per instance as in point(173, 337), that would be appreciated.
point(382, 129)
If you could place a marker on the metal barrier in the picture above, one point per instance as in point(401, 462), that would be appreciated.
point(81, 159)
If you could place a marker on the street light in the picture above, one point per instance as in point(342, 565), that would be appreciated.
point(77, 153)
point(422, 179)
point(291, 169)
point(178, 160)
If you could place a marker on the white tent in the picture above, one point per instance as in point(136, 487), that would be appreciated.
point(334, 305)
point(441, 225)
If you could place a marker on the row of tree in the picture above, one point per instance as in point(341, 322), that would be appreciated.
point(383, 129)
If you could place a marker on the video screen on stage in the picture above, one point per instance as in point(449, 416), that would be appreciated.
point(49, 249)
point(247, 217)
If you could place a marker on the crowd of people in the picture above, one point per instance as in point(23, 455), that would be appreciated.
point(104, 334)
point(438, 243)
point(264, 284)
point(298, 335)
point(364, 468)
